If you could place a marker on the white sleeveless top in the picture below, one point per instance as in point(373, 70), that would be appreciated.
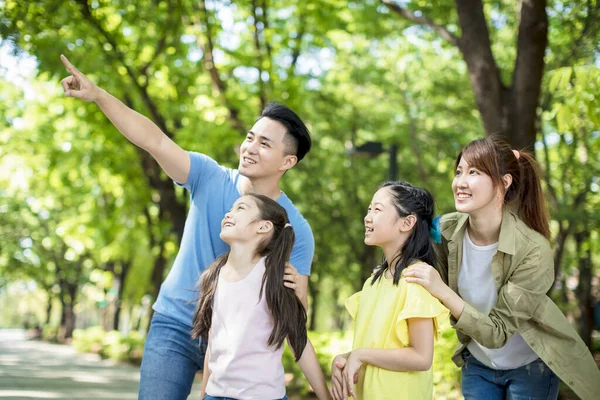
point(241, 364)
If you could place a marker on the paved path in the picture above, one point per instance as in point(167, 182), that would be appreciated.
point(32, 369)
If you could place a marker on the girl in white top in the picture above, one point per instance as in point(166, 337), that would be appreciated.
point(245, 312)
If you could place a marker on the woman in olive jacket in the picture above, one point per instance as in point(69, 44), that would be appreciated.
point(494, 268)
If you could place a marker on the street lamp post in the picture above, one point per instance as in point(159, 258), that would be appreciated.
point(373, 149)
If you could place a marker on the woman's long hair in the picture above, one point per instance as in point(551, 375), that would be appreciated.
point(289, 315)
point(494, 157)
point(410, 200)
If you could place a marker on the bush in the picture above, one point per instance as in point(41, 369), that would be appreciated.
point(88, 340)
point(113, 344)
point(128, 348)
point(446, 375)
point(327, 345)
point(50, 333)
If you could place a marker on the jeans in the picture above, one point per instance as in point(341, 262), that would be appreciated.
point(171, 360)
point(534, 381)
point(208, 397)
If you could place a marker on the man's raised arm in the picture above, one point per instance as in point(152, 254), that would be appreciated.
point(138, 129)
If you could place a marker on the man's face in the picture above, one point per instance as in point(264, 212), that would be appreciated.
point(263, 153)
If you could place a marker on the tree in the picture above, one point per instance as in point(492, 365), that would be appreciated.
point(571, 120)
point(506, 101)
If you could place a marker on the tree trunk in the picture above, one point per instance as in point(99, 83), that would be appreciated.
point(527, 75)
point(583, 292)
point(69, 311)
point(158, 272)
point(368, 261)
point(509, 111)
point(121, 277)
point(49, 310)
point(313, 289)
point(69, 325)
point(559, 245)
point(338, 310)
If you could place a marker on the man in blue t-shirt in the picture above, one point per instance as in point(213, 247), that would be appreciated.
point(276, 142)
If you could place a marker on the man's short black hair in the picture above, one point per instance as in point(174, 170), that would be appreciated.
point(294, 125)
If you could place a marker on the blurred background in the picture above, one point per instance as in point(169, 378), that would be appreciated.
point(89, 225)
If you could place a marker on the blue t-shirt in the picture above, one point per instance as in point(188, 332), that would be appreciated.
point(213, 191)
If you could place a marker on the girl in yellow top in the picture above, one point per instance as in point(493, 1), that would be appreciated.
point(396, 322)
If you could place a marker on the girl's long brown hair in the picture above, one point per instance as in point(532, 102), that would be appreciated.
point(494, 157)
point(289, 315)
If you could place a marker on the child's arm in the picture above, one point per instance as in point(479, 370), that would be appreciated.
point(417, 357)
point(205, 372)
point(309, 364)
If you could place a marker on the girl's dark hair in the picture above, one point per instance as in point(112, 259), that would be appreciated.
point(410, 200)
point(289, 315)
point(494, 157)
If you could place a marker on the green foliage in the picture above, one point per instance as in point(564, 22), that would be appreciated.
point(327, 345)
point(446, 376)
point(113, 344)
point(50, 333)
point(89, 340)
point(79, 205)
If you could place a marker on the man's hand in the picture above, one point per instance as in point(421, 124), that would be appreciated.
point(138, 129)
point(291, 276)
point(78, 85)
point(299, 283)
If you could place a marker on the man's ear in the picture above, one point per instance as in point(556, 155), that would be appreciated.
point(264, 226)
point(507, 181)
point(288, 162)
point(407, 223)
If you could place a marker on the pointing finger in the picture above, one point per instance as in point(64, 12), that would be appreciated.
point(67, 64)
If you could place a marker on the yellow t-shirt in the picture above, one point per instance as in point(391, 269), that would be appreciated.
point(381, 312)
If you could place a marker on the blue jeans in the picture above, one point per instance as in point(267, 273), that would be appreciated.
point(534, 381)
point(208, 397)
point(171, 360)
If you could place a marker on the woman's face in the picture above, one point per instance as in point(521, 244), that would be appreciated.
point(474, 191)
point(240, 222)
point(382, 222)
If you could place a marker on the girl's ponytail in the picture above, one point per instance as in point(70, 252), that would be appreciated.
point(289, 315)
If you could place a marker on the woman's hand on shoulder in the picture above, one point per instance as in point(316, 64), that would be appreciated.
point(428, 277)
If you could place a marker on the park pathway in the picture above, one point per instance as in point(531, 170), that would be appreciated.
point(31, 369)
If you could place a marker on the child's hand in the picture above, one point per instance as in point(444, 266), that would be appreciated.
point(350, 373)
point(337, 379)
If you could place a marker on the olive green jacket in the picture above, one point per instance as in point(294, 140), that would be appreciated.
point(523, 269)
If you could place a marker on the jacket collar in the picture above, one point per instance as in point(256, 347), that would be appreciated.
point(506, 242)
